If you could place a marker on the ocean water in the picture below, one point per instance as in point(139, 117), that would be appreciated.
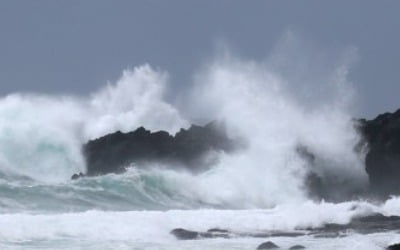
point(139, 209)
point(260, 189)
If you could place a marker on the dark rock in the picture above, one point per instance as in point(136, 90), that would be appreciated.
point(376, 218)
point(274, 234)
point(114, 152)
point(77, 176)
point(267, 245)
point(217, 230)
point(394, 247)
point(363, 225)
point(183, 234)
point(286, 234)
point(297, 247)
point(327, 235)
point(382, 136)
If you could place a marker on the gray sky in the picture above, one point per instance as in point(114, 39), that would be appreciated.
point(77, 46)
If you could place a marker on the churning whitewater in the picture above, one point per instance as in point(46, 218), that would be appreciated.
point(260, 188)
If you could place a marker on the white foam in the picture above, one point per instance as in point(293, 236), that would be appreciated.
point(41, 136)
point(257, 103)
point(153, 227)
point(137, 99)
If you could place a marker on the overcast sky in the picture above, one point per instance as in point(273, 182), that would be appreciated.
point(77, 46)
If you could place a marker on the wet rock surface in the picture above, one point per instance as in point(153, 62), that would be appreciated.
point(394, 247)
point(114, 152)
point(364, 225)
point(180, 233)
point(183, 234)
point(267, 245)
point(374, 223)
point(382, 162)
point(296, 247)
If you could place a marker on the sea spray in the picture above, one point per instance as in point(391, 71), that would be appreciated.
point(256, 103)
point(261, 188)
point(137, 99)
point(41, 136)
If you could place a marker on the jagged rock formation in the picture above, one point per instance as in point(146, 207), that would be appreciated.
point(114, 152)
point(382, 162)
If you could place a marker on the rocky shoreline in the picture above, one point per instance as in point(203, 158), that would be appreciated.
point(187, 149)
point(375, 223)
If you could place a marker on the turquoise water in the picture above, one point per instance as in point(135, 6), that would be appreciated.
point(137, 210)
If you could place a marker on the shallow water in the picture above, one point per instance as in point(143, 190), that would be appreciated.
point(150, 230)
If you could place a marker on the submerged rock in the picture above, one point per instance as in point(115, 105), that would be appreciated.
point(267, 245)
point(183, 234)
point(114, 152)
point(217, 230)
point(296, 247)
point(373, 223)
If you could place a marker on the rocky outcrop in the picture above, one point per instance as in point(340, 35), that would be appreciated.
point(114, 152)
point(382, 161)
point(267, 245)
point(394, 247)
point(188, 148)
